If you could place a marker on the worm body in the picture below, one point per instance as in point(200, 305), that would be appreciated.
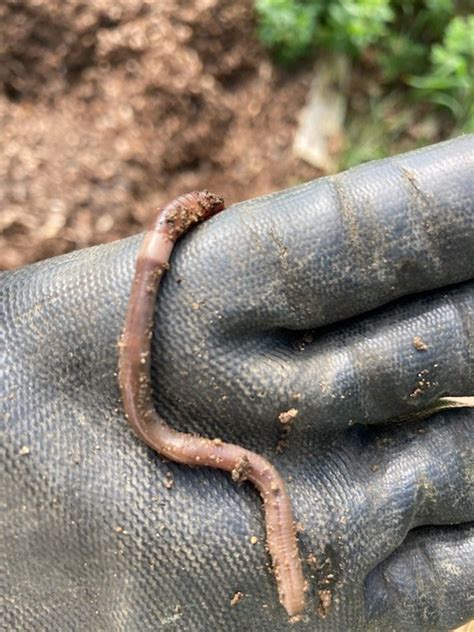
point(135, 383)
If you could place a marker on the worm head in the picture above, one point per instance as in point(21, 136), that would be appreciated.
point(209, 203)
point(185, 211)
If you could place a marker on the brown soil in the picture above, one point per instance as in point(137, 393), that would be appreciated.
point(110, 108)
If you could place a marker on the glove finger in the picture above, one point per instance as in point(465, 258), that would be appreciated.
point(427, 584)
point(378, 483)
point(336, 247)
point(391, 364)
point(396, 362)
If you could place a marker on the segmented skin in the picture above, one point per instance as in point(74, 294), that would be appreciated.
point(135, 382)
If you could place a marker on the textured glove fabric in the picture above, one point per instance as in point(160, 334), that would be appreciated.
point(349, 299)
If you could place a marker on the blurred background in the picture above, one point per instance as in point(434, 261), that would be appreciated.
point(110, 108)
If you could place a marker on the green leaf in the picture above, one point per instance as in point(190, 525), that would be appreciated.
point(287, 27)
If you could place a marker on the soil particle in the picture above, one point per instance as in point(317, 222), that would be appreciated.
point(325, 601)
point(197, 304)
point(241, 470)
point(168, 480)
point(236, 598)
point(288, 417)
point(312, 561)
point(24, 450)
point(419, 344)
point(423, 385)
point(253, 539)
point(286, 420)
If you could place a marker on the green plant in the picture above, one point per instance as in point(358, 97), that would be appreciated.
point(352, 25)
point(288, 27)
point(450, 81)
point(424, 45)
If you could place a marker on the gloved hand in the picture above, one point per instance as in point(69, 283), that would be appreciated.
point(349, 299)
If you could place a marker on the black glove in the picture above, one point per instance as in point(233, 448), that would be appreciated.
point(349, 299)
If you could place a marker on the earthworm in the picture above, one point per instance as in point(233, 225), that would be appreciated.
point(135, 382)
